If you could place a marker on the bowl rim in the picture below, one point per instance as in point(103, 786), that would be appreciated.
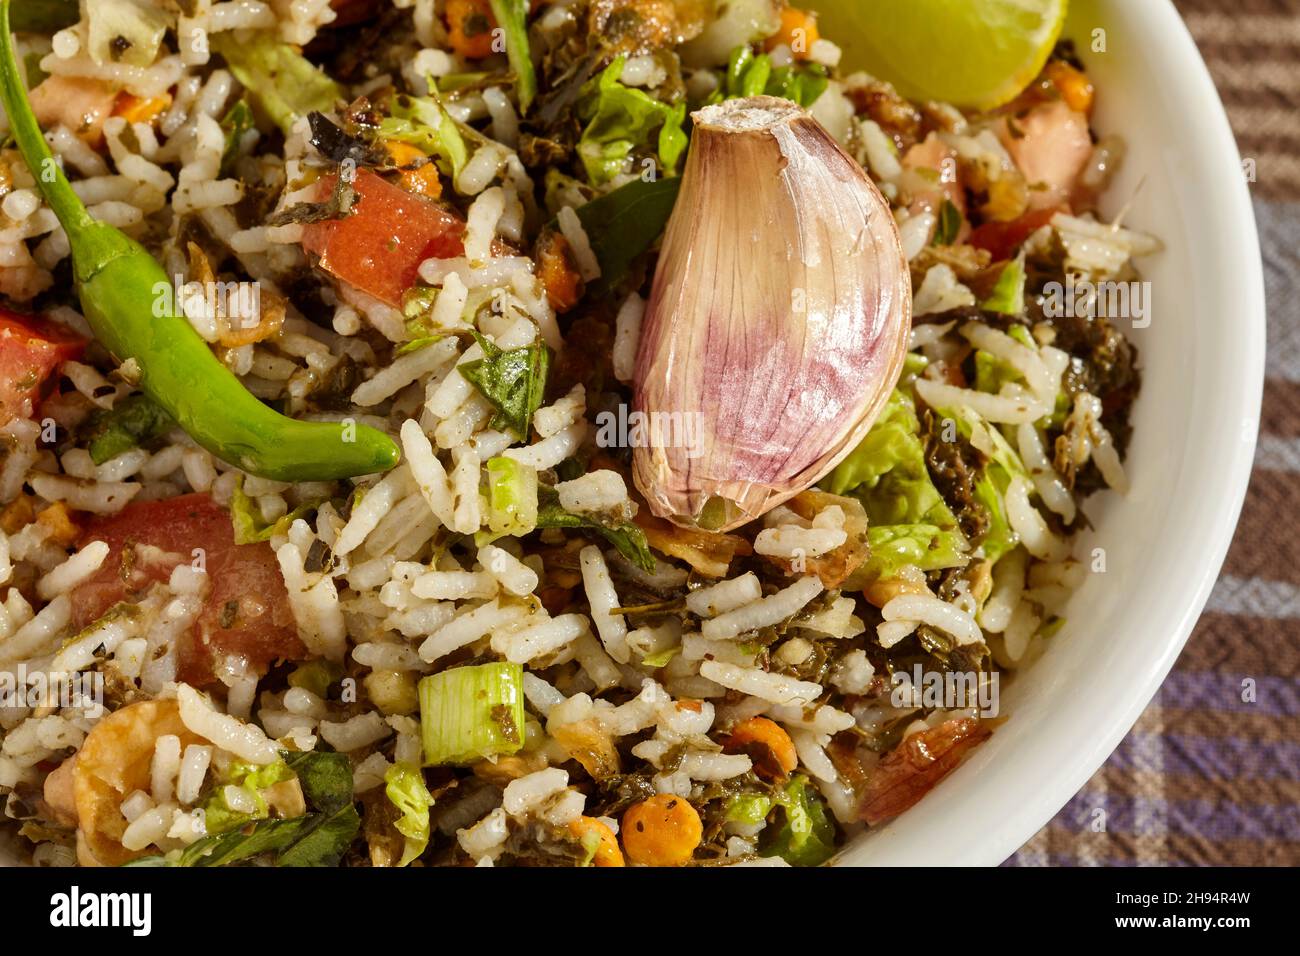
point(1241, 271)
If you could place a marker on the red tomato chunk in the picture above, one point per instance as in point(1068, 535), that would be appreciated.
point(30, 350)
point(378, 249)
point(246, 614)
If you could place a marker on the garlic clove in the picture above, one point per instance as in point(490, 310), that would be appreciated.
point(779, 316)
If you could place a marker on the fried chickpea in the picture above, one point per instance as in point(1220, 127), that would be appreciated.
point(661, 831)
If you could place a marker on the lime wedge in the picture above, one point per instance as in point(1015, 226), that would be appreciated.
point(976, 54)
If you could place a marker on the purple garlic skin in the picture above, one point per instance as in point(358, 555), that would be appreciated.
point(779, 317)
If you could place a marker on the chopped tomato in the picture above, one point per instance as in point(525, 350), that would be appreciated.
point(915, 767)
point(934, 166)
point(246, 617)
point(30, 350)
point(80, 104)
point(1002, 239)
point(379, 248)
point(1050, 145)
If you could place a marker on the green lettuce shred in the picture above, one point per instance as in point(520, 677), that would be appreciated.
point(281, 82)
point(405, 788)
point(909, 521)
point(247, 519)
point(423, 122)
point(804, 833)
point(1008, 295)
point(621, 120)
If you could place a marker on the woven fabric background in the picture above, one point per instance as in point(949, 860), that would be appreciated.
point(1211, 773)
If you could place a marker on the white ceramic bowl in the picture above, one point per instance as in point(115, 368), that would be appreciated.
point(1195, 426)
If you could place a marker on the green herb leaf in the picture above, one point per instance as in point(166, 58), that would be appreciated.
point(626, 537)
point(750, 74)
point(621, 120)
point(237, 121)
point(326, 842)
point(623, 225)
point(282, 83)
point(945, 234)
point(514, 382)
point(133, 421)
point(326, 778)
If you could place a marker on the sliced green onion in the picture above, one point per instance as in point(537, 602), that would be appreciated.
point(512, 17)
point(512, 497)
point(469, 713)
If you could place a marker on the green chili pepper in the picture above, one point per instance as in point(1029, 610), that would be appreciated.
point(120, 282)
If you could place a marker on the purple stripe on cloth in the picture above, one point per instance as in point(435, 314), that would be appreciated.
point(1274, 696)
point(1211, 819)
point(1222, 757)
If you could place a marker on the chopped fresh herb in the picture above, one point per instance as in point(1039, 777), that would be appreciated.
point(132, 422)
point(43, 16)
point(326, 778)
point(326, 842)
point(750, 74)
point(945, 234)
point(336, 145)
point(237, 121)
point(513, 381)
point(625, 536)
point(623, 225)
point(415, 345)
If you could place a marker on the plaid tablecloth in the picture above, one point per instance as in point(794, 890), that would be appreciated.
point(1207, 777)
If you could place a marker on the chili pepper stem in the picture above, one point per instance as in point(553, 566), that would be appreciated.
point(118, 279)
